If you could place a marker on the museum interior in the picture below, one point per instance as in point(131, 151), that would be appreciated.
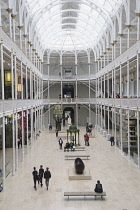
point(70, 67)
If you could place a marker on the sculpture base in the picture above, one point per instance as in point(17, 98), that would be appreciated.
point(73, 176)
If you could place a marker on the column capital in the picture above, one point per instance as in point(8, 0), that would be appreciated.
point(29, 42)
point(13, 16)
point(9, 10)
point(25, 35)
point(128, 26)
point(108, 48)
point(115, 41)
point(137, 14)
point(120, 34)
point(20, 27)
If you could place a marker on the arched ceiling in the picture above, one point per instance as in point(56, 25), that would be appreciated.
point(71, 24)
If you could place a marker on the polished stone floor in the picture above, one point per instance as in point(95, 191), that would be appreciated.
point(120, 178)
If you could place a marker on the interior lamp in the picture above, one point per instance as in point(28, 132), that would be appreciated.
point(8, 76)
point(19, 87)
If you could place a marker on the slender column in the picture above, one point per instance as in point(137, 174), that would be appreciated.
point(138, 28)
point(20, 36)
point(10, 23)
point(13, 21)
point(127, 78)
point(115, 126)
point(112, 84)
point(98, 85)
point(34, 85)
point(120, 111)
point(112, 112)
point(0, 15)
point(120, 80)
point(104, 118)
point(25, 43)
point(16, 117)
point(2, 69)
point(31, 85)
point(12, 75)
point(104, 86)
point(108, 84)
point(15, 69)
point(138, 138)
point(77, 93)
point(32, 142)
point(3, 153)
point(104, 58)
point(112, 51)
point(120, 43)
point(22, 135)
point(35, 124)
point(21, 81)
point(48, 91)
point(13, 150)
point(27, 132)
point(138, 75)
point(128, 36)
point(89, 88)
point(101, 117)
point(128, 135)
point(37, 83)
point(26, 82)
point(108, 119)
point(101, 88)
point(96, 116)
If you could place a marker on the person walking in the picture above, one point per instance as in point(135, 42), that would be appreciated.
point(60, 143)
point(20, 142)
point(56, 132)
point(41, 173)
point(35, 177)
point(112, 140)
point(87, 139)
point(47, 176)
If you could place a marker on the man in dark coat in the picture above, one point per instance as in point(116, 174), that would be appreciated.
point(112, 140)
point(41, 173)
point(35, 177)
point(60, 143)
point(47, 176)
point(98, 187)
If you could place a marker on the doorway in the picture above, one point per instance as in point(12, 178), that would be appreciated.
point(68, 112)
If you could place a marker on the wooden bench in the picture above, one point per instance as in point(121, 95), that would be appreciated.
point(85, 194)
point(77, 156)
point(80, 148)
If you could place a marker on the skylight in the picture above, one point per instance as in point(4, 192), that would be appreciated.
point(71, 24)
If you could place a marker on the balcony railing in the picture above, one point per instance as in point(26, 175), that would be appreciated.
point(71, 77)
point(9, 106)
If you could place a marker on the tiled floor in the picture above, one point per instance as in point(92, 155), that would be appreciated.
point(120, 178)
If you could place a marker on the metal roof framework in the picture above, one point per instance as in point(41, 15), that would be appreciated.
point(71, 24)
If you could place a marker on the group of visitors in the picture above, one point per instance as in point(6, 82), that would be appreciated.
point(69, 146)
point(38, 176)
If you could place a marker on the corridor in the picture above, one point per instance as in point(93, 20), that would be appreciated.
point(120, 178)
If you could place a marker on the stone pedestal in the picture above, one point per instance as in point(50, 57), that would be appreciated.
point(104, 133)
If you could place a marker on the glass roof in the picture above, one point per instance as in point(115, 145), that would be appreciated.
point(71, 24)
